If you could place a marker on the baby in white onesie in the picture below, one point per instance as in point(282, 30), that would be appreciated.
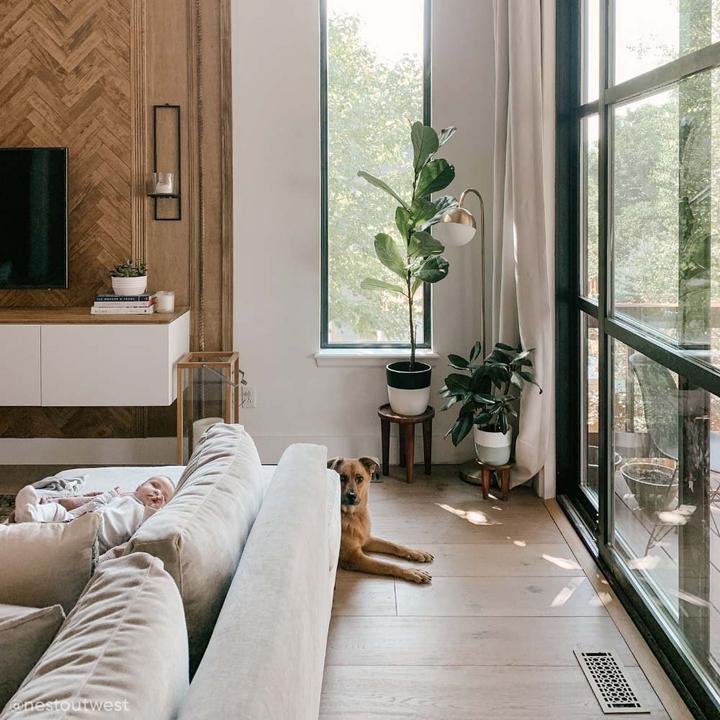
point(121, 513)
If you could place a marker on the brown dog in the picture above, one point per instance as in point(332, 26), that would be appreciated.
point(355, 476)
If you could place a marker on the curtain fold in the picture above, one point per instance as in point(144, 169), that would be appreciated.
point(522, 302)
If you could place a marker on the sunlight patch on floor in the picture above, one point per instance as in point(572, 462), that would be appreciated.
point(567, 592)
point(563, 563)
point(475, 517)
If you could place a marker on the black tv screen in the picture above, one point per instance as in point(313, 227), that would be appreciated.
point(33, 218)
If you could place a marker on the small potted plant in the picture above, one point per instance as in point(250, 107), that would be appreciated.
point(417, 259)
point(129, 278)
point(483, 387)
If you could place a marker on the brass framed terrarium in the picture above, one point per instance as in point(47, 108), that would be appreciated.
point(208, 392)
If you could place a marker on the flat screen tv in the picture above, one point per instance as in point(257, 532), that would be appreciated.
point(33, 218)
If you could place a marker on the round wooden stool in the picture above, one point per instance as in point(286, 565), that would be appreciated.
point(477, 473)
point(406, 427)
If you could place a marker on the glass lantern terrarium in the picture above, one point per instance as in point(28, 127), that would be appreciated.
point(208, 392)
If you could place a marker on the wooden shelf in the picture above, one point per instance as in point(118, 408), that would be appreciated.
point(81, 316)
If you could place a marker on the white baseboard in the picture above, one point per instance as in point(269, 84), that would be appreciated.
point(83, 451)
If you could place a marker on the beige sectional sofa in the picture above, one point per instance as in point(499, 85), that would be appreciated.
point(236, 574)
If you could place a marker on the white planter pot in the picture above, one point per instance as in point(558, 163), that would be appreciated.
point(408, 402)
point(408, 390)
point(129, 285)
point(492, 448)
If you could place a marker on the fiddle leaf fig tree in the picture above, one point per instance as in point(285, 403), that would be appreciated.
point(417, 259)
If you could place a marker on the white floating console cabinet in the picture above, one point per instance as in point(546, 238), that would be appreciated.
point(58, 357)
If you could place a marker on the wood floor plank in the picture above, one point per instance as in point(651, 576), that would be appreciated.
point(445, 527)
point(468, 693)
point(359, 594)
point(486, 560)
point(501, 596)
point(448, 641)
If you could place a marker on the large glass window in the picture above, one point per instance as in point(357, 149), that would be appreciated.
point(639, 313)
point(375, 80)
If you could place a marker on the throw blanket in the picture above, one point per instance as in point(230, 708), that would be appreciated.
point(54, 485)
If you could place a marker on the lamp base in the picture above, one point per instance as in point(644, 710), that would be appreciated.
point(471, 472)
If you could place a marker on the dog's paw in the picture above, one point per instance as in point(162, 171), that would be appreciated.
point(416, 576)
point(419, 556)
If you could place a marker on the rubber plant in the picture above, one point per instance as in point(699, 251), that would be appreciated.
point(484, 388)
point(418, 258)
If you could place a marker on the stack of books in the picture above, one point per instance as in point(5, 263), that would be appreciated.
point(111, 304)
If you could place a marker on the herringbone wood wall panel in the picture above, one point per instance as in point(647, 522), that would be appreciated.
point(84, 74)
point(65, 81)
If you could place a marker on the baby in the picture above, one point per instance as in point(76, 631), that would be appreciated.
point(121, 513)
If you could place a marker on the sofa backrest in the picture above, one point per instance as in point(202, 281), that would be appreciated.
point(201, 533)
point(265, 658)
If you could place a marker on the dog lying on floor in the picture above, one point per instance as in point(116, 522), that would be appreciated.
point(355, 476)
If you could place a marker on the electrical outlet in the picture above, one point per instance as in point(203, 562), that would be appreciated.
point(247, 396)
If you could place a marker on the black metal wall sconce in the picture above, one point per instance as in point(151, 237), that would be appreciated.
point(165, 185)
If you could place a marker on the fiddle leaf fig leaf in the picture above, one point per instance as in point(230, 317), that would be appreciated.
point(425, 143)
point(375, 284)
point(378, 183)
point(403, 221)
point(442, 205)
point(435, 176)
point(388, 254)
point(423, 244)
point(435, 268)
point(446, 134)
point(422, 210)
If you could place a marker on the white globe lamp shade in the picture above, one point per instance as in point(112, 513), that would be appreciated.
point(456, 228)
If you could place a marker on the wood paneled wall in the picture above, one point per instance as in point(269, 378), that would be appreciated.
point(85, 74)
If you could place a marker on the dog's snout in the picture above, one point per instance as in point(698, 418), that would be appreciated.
point(351, 495)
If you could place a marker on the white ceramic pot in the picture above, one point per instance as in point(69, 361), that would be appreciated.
point(129, 285)
point(492, 448)
point(408, 390)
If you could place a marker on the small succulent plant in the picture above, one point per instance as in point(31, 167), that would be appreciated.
point(130, 269)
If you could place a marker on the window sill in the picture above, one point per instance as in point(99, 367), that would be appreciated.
point(371, 357)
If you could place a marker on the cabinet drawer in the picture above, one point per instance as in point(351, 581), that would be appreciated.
point(20, 365)
point(110, 365)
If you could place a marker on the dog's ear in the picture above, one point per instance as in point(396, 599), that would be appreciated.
point(334, 463)
point(372, 465)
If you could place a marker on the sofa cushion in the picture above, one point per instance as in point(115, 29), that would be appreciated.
point(201, 532)
point(47, 563)
point(25, 634)
point(122, 651)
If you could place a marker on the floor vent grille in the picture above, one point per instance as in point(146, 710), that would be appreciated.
point(608, 681)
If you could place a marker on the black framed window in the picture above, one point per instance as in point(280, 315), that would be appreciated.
point(375, 80)
point(638, 314)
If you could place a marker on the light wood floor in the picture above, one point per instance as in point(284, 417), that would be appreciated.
point(513, 593)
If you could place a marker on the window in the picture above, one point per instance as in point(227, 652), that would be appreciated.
point(638, 272)
point(374, 83)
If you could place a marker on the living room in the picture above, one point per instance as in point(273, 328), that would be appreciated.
point(358, 359)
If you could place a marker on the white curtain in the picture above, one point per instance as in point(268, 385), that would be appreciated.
point(522, 304)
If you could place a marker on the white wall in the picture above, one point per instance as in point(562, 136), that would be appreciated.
point(277, 222)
